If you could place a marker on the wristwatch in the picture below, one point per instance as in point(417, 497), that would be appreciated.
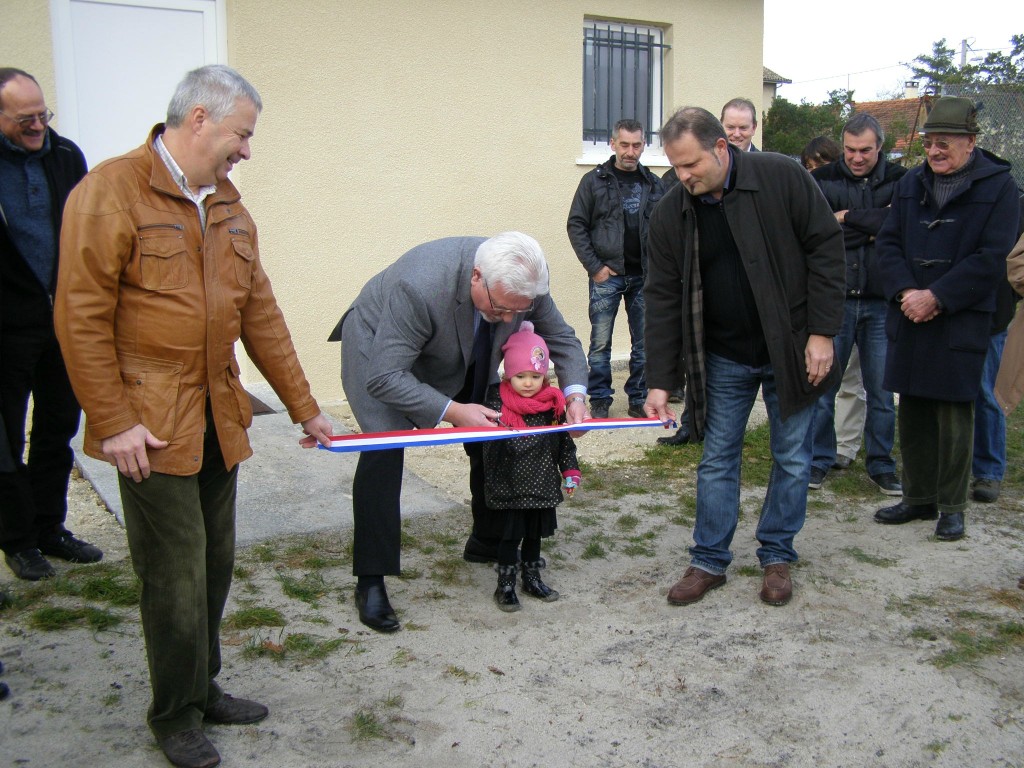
point(571, 398)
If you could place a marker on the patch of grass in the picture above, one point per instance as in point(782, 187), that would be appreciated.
point(588, 521)
point(936, 747)
point(594, 550)
point(863, 557)
point(923, 633)
point(241, 573)
point(310, 553)
point(436, 594)
point(55, 618)
point(450, 570)
point(311, 647)
point(971, 645)
point(653, 509)
point(410, 574)
point(749, 570)
point(911, 604)
point(592, 476)
point(412, 626)
point(403, 656)
point(366, 726)
point(446, 540)
point(1011, 598)
point(298, 646)
point(264, 552)
point(310, 588)
point(460, 674)
point(112, 699)
point(250, 618)
point(627, 522)
point(639, 546)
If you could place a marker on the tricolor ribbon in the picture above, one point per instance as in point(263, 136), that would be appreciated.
point(421, 438)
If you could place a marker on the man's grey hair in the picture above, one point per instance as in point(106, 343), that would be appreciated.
point(861, 122)
point(629, 126)
point(515, 262)
point(9, 73)
point(216, 87)
point(704, 127)
point(741, 103)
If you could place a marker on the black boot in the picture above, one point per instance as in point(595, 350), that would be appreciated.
point(533, 586)
point(505, 595)
point(950, 526)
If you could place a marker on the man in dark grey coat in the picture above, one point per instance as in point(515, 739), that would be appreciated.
point(420, 346)
point(744, 292)
point(942, 253)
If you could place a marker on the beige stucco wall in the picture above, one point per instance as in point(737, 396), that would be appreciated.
point(28, 44)
point(387, 124)
point(390, 123)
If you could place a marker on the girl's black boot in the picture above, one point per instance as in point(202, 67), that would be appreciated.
point(505, 595)
point(532, 584)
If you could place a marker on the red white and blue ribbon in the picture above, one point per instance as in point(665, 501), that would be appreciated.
point(421, 438)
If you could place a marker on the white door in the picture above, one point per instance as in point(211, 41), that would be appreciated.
point(117, 62)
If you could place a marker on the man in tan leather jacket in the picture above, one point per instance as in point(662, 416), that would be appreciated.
point(160, 276)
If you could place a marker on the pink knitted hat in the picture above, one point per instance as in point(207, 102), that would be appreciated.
point(525, 351)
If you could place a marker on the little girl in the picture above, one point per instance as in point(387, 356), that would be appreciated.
point(523, 476)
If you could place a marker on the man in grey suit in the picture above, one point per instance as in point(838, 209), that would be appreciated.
point(420, 346)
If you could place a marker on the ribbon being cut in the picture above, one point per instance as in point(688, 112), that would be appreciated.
point(421, 438)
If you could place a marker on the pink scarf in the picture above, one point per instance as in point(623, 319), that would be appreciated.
point(515, 406)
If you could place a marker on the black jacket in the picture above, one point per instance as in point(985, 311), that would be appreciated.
point(959, 253)
point(792, 252)
point(24, 301)
point(866, 200)
point(526, 472)
point(596, 223)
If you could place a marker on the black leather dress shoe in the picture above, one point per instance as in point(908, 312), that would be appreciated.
point(374, 609)
point(904, 513)
point(681, 437)
point(950, 527)
point(480, 551)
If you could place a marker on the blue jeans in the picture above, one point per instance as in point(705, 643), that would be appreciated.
point(731, 391)
point(989, 423)
point(604, 306)
point(863, 325)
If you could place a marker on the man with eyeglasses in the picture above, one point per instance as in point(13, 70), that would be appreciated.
point(941, 255)
point(38, 169)
point(420, 346)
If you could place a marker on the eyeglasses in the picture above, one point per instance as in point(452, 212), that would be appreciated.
point(940, 144)
point(504, 310)
point(29, 120)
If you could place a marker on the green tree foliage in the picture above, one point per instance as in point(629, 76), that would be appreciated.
point(788, 127)
point(995, 84)
point(942, 67)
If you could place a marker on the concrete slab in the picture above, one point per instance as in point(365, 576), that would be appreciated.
point(282, 489)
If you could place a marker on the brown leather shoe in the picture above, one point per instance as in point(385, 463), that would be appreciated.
point(776, 586)
point(693, 585)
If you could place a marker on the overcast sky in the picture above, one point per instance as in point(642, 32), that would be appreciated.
point(826, 45)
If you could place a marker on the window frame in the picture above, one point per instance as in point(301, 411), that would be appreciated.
point(604, 35)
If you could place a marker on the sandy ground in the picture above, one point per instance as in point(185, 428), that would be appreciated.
point(849, 674)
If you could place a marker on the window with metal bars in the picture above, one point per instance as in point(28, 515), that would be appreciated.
point(623, 66)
